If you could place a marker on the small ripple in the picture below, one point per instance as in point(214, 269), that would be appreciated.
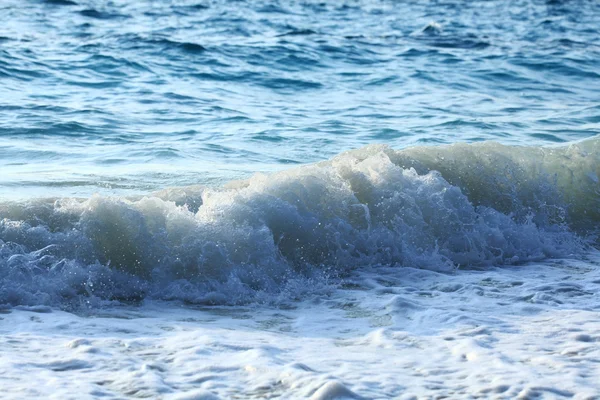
point(354, 37)
point(463, 123)
point(577, 44)
point(298, 32)
point(224, 77)
point(433, 140)
point(273, 9)
point(199, 6)
point(387, 134)
point(412, 52)
point(35, 107)
point(177, 96)
point(457, 43)
point(547, 137)
point(383, 81)
point(60, 2)
point(104, 84)
point(32, 155)
point(287, 161)
point(219, 148)
point(102, 15)
point(112, 65)
point(512, 110)
point(268, 136)
point(295, 62)
point(290, 84)
point(154, 153)
point(505, 76)
point(557, 68)
point(188, 47)
point(23, 74)
point(111, 161)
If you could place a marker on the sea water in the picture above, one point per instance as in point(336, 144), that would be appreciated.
point(294, 199)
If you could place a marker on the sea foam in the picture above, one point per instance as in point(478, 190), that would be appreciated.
point(438, 208)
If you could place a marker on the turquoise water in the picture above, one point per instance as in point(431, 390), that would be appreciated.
point(131, 133)
point(126, 97)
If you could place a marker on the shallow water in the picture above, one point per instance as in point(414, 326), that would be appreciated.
point(293, 199)
point(513, 332)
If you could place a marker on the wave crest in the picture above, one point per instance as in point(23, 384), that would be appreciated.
point(427, 207)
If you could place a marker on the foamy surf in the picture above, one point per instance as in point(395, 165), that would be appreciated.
point(435, 208)
point(517, 332)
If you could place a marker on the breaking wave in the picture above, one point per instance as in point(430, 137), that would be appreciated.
point(440, 208)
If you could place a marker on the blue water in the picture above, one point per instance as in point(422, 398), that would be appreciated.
point(132, 132)
point(126, 97)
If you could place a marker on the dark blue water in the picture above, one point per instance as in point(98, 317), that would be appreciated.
point(123, 97)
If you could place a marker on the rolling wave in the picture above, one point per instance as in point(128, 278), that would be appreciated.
point(440, 208)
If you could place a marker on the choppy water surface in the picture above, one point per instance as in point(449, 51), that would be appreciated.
point(125, 97)
point(299, 199)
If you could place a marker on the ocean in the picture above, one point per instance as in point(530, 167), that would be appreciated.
point(346, 199)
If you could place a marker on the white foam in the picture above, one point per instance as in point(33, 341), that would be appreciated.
point(435, 208)
point(511, 332)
